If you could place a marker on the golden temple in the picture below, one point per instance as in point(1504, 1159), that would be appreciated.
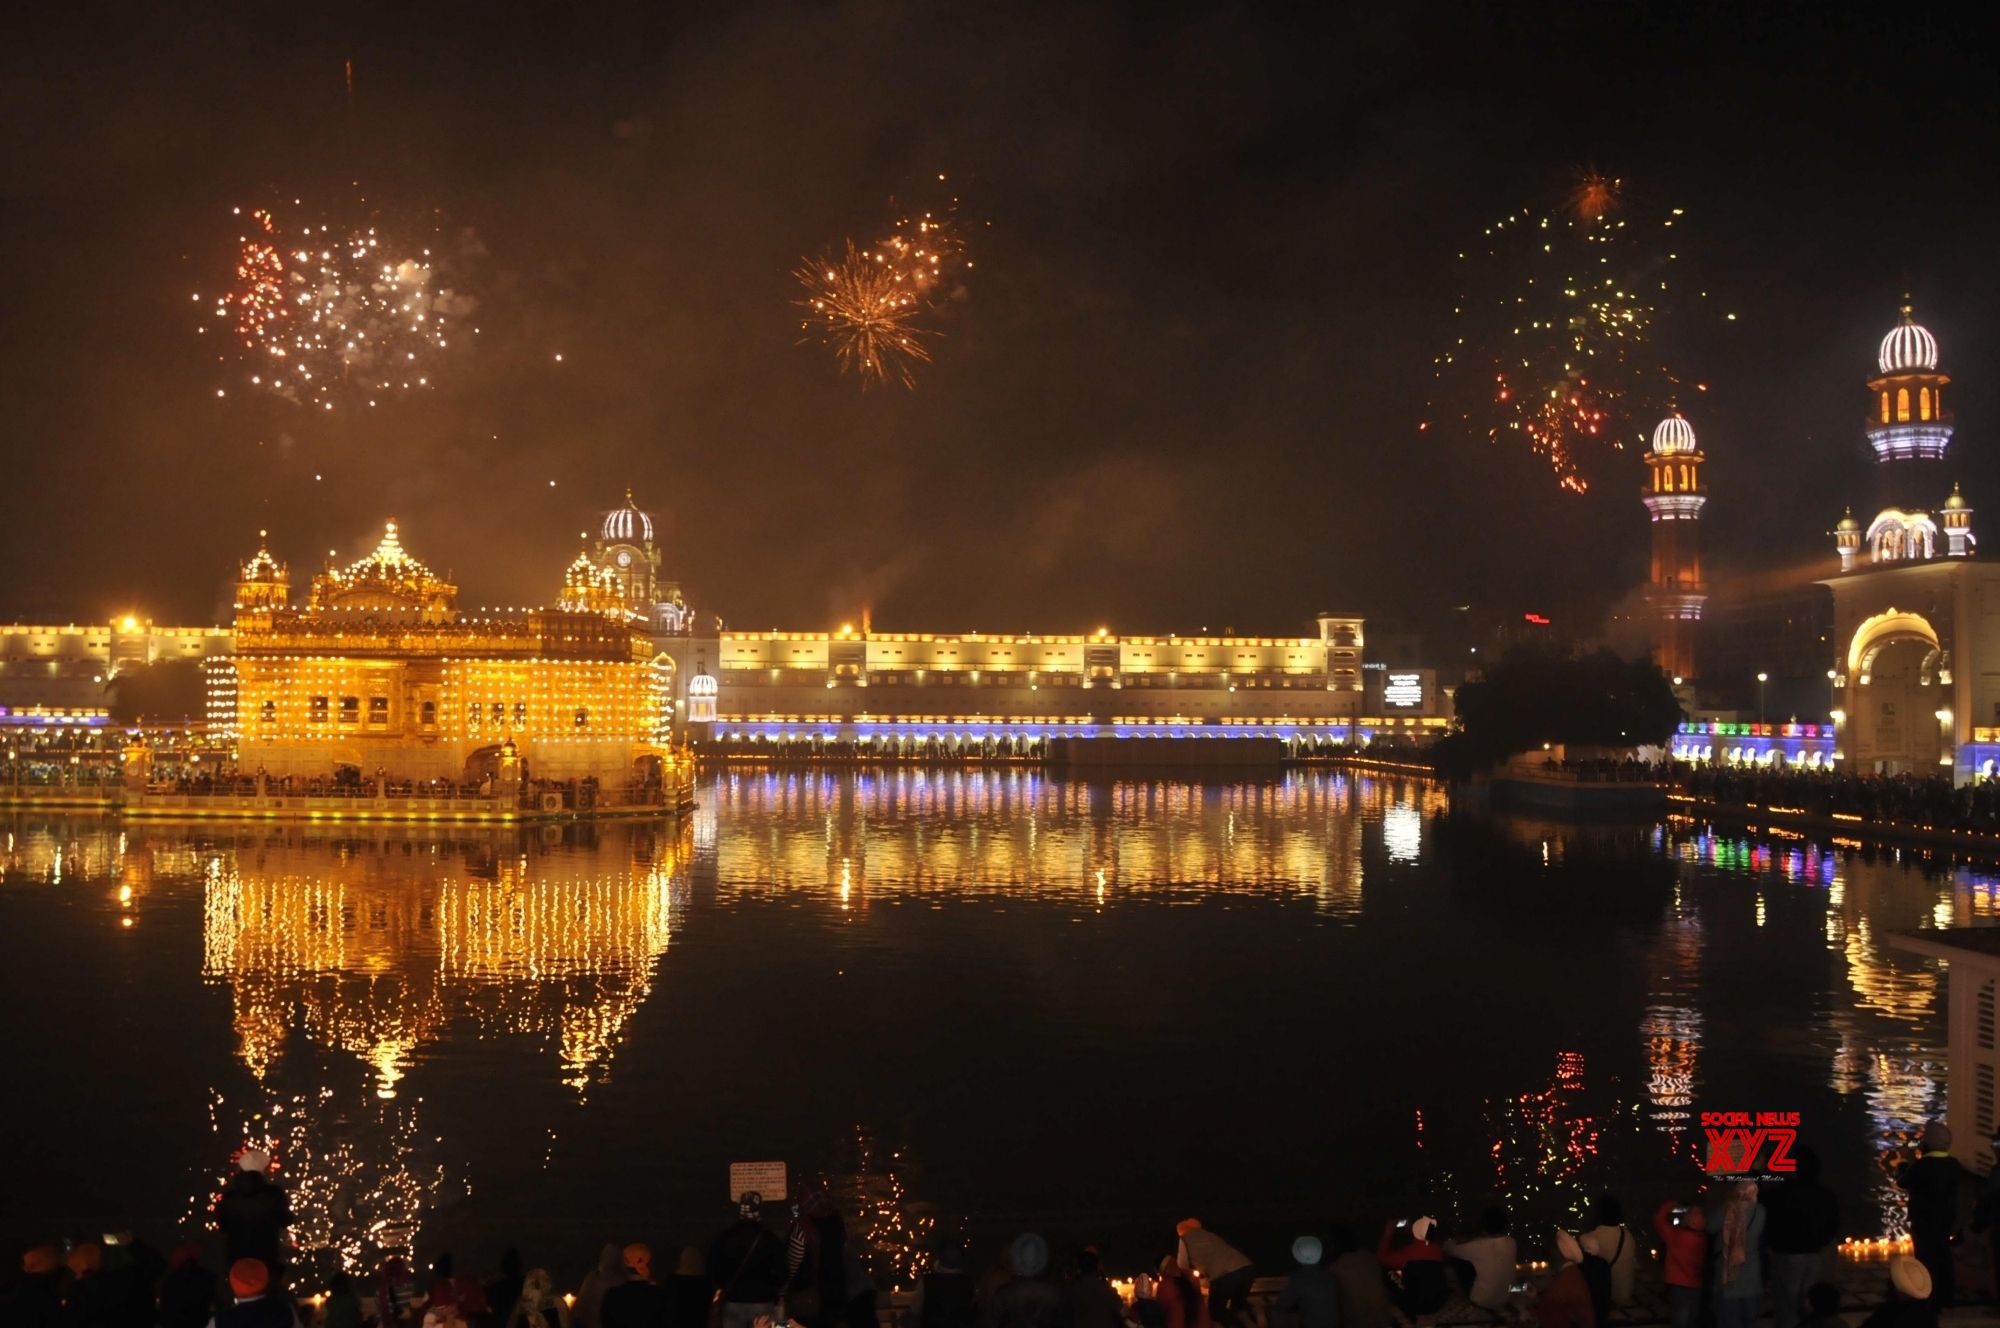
point(380, 676)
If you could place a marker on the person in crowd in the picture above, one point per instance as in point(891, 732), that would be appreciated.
point(91, 1301)
point(1934, 1181)
point(597, 1283)
point(395, 1292)
point(1823, 1307)
point(254, 1213)
point(689, 1292)
point(34, 1299)
point(1801, 1222)
point(538, 1305)
point(1615, 1245)
point(1179, 1297)
point(1910, 1302)
point(1029, 1299)
point(1486, 1261)
point(1596, 1272)
point(638, 1301)
point(816, 1261)
point(857, 1305)
point(747, 1265)
point(188, 1291)
point(1093, 1301)
point(1565, 1301)
point(945, 1296)
point(1738, 1280)
point(252, 1305)
point(343, 1306)
point(1225, 1268)
point(132, 1270)
point(986, 1292)
point(1408, 1248)
point(1311, 1293)
point(1986, 1214)
point(1683, 1233)
point(447, 1288)
point(1146, 1310)
point(1364, 1294)
point(443, 1314)
point(503, 1291)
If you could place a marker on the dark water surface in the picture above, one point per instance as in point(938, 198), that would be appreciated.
point(994, 999)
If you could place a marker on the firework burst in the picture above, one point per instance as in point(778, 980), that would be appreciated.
point(324, 314)
point(1594, 196)
point(873, 305)
point(861, 307)
point(1559, 321)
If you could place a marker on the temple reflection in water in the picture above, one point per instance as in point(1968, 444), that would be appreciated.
point(371, 953)
point(375, 947)
point(366, 988)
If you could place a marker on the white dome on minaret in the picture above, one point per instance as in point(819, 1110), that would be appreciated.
point(1908, 347)
point(1673, 434)
point(626, 523)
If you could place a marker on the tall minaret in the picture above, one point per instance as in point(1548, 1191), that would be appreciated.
point(1908, 420)
point(1674, 496)
point(1909, 427)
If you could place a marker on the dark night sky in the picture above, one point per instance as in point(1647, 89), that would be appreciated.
point(1184, 387)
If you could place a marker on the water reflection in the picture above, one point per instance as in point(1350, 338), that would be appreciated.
point(1015, 832)
point(1622, 978)
point(377, 947)
point(366, 951)
point(1895, 1000)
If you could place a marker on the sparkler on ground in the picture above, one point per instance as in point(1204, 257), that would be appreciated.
point(326, 313)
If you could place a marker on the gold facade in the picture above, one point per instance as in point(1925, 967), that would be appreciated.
point(381, 672)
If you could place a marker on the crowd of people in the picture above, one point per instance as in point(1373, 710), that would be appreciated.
point(1615, 770)
point(1722, 1257)
point(1928, 800)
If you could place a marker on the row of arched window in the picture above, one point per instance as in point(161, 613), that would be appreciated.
point(1929, 405)
point(1664, 478)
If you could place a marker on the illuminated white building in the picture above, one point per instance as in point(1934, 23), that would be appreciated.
point(897, 687)
point(1916, 614)
point(67, 666)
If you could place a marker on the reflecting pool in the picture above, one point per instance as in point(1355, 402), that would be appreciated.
point(975, 1000)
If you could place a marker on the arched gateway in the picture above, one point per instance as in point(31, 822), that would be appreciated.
point(1898, 711)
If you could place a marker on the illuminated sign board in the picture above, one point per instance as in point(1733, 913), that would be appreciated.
point(1403, 690)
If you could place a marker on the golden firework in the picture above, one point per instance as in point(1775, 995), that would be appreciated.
point(864, 305)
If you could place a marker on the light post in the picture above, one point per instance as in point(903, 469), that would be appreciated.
point(1762, 678)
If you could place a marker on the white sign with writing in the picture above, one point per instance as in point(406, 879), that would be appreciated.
point(1404, 690)
point(766, 1180)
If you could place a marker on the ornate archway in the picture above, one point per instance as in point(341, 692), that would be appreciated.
point(1885, 628)
point(1897, 705)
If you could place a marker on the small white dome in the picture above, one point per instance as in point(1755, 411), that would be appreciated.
point(1673, 434)
point(627, 522)
point(1908, 347)
point(701, 685)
